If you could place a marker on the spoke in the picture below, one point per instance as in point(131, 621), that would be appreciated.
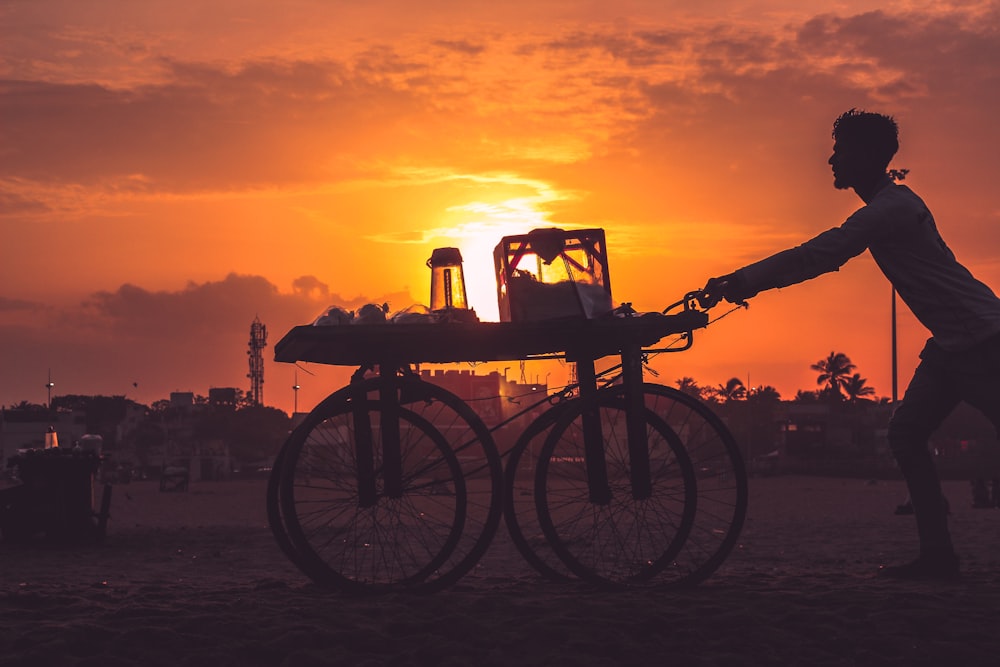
point(434, 527)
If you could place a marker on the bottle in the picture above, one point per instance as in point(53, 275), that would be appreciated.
point(447, 280)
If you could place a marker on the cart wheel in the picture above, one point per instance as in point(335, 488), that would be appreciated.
point(426, 534)
point(720, 484)
point(395, 542)
point(519, 500)
point(274, 517)
point(621, 539)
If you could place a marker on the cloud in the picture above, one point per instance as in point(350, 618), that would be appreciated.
point(207, 129)
point(311, 286)
point(266, 123)
point(461, 46)
point(8, 305)
point(20, 203)
point(191, 338)
point(134, 150)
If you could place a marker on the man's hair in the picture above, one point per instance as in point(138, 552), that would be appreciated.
point(876, 132)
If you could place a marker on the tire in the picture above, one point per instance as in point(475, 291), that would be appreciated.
point(719, 485)
point(625, 539)
point(520, 514)
point(427, 537)
point(275, 518)
point(721, 482)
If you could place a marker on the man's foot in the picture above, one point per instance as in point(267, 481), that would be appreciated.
point(926, 568)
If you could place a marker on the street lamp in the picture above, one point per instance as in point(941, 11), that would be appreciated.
point(295, 388)
point(895, 175)
point(48, 386)
point(895, 386)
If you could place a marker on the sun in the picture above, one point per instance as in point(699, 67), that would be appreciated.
point(477, 238)
point(495, 205)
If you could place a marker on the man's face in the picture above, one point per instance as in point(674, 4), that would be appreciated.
point(853, 166)
point(845, 165)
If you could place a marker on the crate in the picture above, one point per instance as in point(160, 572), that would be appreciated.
point(551, 273)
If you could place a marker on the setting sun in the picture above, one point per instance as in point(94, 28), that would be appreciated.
point(476, 227)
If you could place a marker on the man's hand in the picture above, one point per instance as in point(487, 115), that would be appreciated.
point(730, 287)
point(713, 292)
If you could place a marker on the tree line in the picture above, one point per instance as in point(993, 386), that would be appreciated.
point(254, 433)
point(837, 376)
point(250, 432)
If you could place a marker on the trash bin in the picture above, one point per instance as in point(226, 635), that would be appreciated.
point(55, 496)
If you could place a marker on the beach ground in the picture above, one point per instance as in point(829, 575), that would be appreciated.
point(196, 578)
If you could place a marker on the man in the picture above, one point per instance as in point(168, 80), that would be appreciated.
point(961, 360)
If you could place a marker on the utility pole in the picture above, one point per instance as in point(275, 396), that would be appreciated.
point(295, 388)
point(258, 341)
point(48, 387)
point(895, 386)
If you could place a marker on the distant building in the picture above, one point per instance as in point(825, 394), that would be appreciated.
point(181, 399)
point(495, 399)
point(26, 429)
point(222, 395)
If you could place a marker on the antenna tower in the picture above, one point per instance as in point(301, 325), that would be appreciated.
point(258, 341)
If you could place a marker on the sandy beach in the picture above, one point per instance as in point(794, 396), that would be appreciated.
point(196, 578)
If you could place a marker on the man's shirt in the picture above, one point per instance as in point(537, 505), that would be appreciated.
point(899, 231)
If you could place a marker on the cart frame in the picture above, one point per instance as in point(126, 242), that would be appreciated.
point(634, 483)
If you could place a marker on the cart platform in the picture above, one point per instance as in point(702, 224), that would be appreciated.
point(362, 344)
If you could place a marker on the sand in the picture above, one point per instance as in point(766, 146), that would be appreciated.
point(195, 578)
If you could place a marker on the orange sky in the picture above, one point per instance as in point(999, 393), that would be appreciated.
point(170, 171)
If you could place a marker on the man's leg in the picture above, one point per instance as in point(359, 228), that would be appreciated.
point(977, 382)
point(929, 398)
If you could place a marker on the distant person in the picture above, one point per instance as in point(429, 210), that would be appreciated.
point(961, 360)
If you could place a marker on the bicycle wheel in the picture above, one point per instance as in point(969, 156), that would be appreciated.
point(722, 484)
point(275, 518)
point(616, 537)
point(520, 515)
point(425, 534)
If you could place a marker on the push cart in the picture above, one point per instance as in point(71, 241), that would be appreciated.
point(394, 483)
point(55, 497)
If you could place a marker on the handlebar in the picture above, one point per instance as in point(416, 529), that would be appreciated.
point(700, 301)
point(705, 300)
point(696, 300)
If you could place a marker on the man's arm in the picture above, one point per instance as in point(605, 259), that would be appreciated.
point(822, 254)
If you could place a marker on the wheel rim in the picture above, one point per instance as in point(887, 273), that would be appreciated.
point(520, 514)
point(626, 540)
point(430, 535)
point(721, 482)
point(718, 506)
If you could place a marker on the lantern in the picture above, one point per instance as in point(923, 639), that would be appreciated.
point(448, 296)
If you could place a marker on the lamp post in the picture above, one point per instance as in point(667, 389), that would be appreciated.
point(895, 386)
point(896, 175)
point(48, 387)
point(295, 389)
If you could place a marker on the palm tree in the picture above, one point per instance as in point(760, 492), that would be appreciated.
point(834, 371)
point(765, 394)
point(689, 386)
point(856, 389)
point(733, 390)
